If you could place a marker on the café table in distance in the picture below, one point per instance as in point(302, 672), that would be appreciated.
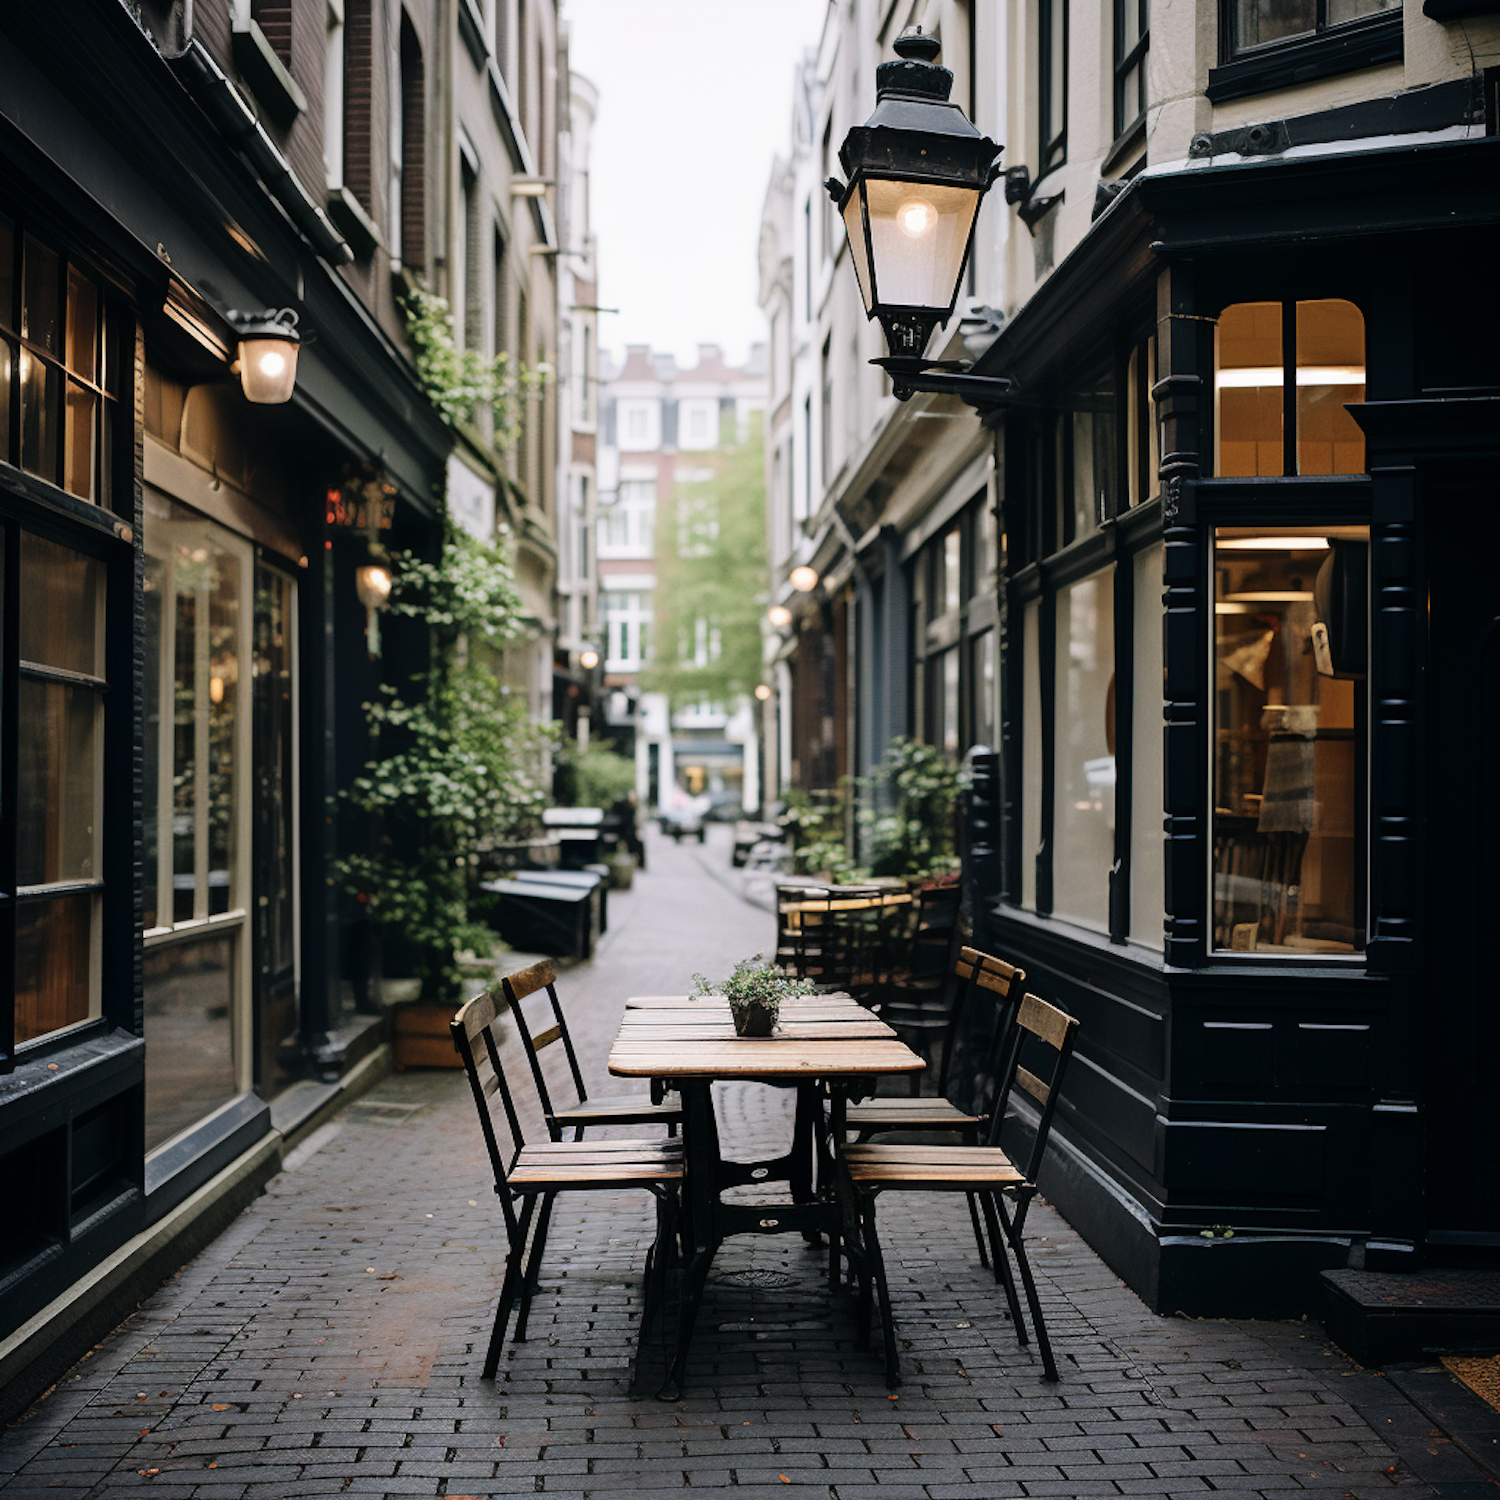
point(689, 1042)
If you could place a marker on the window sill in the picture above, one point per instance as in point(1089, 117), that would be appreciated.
point(1360, 44)
point(266, 74)
point(1127, 145)
point(350, 218)
point(471, 29)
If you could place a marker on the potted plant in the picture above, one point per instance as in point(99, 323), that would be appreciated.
point(755, 990)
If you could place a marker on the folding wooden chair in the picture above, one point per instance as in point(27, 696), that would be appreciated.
point(983, 1007)
point(985, 1170)
point(615, 1109)
point(540, 1172)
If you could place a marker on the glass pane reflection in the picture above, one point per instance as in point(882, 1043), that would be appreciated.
point(57, 791)
point(189, 1064)
point(56, 963)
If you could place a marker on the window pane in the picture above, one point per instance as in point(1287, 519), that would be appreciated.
point(7, 273)
point(1340, 11)
point(1261, 21)
point(56, 964)
point(1147, 814)
point(7, 369)
point(1247, 389)
point(223, 699)
point(983, 647)
point(40, 320)
point(1031, 750)
point(41, 395)
point(57, 788)
point(1288, 741)
point(185, 757)
point(952, 574)
point(1330, 374)
point(62, 607)
point(189, 991)
point(1083, 809)
point(83, 325)
point(155, 585)
point(78, 441)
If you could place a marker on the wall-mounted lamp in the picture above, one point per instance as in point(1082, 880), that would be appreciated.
point(763, 692)
point(779, 616)
point(373, 585)
point(803, 579)
point(267, 359)
point(588, 659)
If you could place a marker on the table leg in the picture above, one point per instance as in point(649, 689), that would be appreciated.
point(700, 1146)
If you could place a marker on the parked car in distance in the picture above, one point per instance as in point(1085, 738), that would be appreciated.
point(680, 815)
point(724, 807)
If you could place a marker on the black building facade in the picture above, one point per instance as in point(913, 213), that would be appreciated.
point(1249, 628)
point(184, 659)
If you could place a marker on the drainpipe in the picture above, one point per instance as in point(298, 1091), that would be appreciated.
point(227, 109)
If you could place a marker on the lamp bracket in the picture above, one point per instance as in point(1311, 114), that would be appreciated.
point(946, 377)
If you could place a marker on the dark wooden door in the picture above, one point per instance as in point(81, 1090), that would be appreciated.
point(273, 818)
point(1460, 993)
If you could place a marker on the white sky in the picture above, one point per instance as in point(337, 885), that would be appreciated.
point(695, 99)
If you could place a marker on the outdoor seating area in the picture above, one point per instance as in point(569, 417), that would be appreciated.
point(1003, 1056)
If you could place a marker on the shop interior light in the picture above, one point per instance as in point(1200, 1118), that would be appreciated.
point(267, 356)
point(803, 579)
point(779, 616)
point(1251, 376)
point(1273, 544)
point(1271, 596)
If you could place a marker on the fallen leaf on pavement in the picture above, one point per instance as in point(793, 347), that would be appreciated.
point(221, 1406)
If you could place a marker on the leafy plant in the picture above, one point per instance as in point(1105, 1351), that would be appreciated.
point(816, 825)
point(755, 985)
point(909, 831)
point(598, 776)
point(460, 383)
point(455, 763)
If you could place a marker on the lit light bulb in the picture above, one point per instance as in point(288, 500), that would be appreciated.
point(803, 579)
point(272, 364)
point(762, 692)
point(588, 660)
point(779, 616)
point(916, 218)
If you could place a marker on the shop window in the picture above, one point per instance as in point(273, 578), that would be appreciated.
point(196, 809)
point(951, 605)
point(1084, 466)
point(1031, 750)
point(1147, 793)
point(985, 688)
point(1314, 349)
point(54, 348)
point(1291, 627)
point(1083, 816)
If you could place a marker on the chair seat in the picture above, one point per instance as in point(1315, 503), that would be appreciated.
point(931, 1166)
point(603, 1164)
point(624, 1109)
point(911, 1114)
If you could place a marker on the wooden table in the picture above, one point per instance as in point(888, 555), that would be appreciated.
point(689, 1041)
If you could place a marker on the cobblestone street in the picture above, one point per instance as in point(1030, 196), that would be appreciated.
point(330, 1341)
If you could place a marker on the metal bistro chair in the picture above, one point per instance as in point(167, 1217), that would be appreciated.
point(542, 1171)
point(829, 932)
point(980, 1020)
point(622, 1109)
point(986, 1170)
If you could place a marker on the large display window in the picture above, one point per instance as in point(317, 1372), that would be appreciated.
point(1290, 739)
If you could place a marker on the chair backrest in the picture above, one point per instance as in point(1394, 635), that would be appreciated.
point(473, 1030)
point(975, 1048)
point(1044, 1034)
point(519, 987)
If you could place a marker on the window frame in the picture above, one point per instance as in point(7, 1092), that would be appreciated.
point(1052, 152)
point(1126, 62)
point(1329, 51)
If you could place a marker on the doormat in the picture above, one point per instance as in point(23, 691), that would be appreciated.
point(1482, 1376)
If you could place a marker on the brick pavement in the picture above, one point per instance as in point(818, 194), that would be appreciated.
point(329, 1342)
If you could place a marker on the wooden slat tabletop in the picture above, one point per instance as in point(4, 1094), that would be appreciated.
point(723, 1030)
point(836, 1000)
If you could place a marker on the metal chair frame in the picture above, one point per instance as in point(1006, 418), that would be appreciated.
point(536, 1174)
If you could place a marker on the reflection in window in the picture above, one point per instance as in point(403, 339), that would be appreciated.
point(985, 702)
point(1260, 23)
point(1031, 750)
point(57, 964)
point(1147, 793)
point(1289, 740)
point(1083, 816)
point(189, 992)
point(1323, 342)
point(1142, 456)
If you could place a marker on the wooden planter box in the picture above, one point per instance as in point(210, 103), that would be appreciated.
point(421, 1037)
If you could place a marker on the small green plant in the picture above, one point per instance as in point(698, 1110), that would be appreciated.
point(462, 382)
point(1216, 1232)
point(596, 777)
point(909, 831)
point(755, 990)
point(815, 824)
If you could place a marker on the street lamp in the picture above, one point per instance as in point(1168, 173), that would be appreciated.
point(588, 659)
point(779, 616)
point(372, 583)
point(804, 579)
point(917, 169)
point(266, 361)
point(763, 692)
